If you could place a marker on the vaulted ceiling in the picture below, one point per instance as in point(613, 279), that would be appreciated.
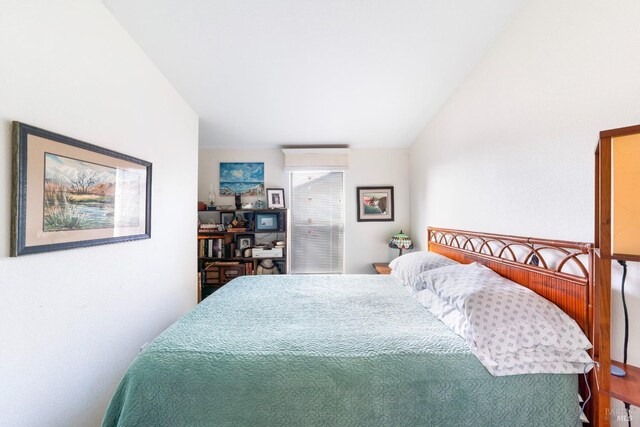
point(267, 73)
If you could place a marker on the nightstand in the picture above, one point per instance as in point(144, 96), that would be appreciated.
point(382, 267)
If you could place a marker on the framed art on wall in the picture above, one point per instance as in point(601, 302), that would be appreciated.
point(241, 178)
point(375, 203)
point(68, 193)
point(275, 197)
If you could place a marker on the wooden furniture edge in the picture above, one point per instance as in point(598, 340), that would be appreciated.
point(382, 267)
point(602, 264)
point(628, 130)
point(625, 389)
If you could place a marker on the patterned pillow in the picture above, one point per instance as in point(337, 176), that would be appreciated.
point(408, 267)
point(510, 328)
point(448, 314)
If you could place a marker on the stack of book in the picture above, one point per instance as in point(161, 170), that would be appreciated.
point(210, 248)
point(215, 247)
point(206, 228)
point(248, 266)
point(236, 230)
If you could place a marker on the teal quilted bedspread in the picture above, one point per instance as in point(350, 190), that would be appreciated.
point(352, 350)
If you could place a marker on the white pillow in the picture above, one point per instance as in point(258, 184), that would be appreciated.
point(510, 328)
point(448, 314)
point(408, 267)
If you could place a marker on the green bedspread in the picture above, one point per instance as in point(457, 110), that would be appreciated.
point(352, 350)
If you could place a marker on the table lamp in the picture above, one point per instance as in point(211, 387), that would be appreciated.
point(400, 241)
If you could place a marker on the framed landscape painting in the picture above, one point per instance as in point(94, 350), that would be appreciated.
point(68, 193)
point(241, 178)
point(375, 203)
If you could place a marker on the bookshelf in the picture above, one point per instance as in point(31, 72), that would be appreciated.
point(239, 242)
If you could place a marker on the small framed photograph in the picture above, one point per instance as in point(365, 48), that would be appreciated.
point(70, 194)
point(375, 203)
point(266, 221)
point(275, 197)
point(244, 241)
point(226, 218)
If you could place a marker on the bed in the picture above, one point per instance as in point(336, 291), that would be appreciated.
point(349, 350)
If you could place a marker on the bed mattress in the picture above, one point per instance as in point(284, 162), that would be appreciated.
point(348, 350)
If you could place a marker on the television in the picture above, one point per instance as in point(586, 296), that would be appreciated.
point(266, 222)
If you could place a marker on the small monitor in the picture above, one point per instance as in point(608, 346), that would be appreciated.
point(266, 222)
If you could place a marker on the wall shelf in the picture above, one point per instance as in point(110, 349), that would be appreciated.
point(627, 388)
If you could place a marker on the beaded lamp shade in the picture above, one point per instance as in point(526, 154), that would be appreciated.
point(400, 241)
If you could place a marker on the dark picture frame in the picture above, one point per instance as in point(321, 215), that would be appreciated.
point(244, 241)
point(275, 198)
point(70, 194)
point(375, 204)
point(266, 221)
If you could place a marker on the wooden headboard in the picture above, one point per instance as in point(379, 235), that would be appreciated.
point(560, 271)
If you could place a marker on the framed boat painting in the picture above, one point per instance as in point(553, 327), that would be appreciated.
point(69, 194)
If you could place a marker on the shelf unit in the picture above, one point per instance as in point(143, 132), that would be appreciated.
point(627, 388)
point(220, 264)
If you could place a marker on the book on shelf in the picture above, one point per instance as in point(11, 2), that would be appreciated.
point(210, 248)
point(228, 250)
point(208, 228)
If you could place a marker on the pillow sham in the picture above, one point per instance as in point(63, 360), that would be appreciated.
point(408, 267)
point(511, 329)
point(448, 314)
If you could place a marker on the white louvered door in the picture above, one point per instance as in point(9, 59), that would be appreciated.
point(317, 222)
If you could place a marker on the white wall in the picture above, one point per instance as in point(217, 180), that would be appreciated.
point(365, 242)
point(72, 321)
point(512, 150)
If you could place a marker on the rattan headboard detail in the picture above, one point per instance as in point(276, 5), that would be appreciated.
point(562, 274)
